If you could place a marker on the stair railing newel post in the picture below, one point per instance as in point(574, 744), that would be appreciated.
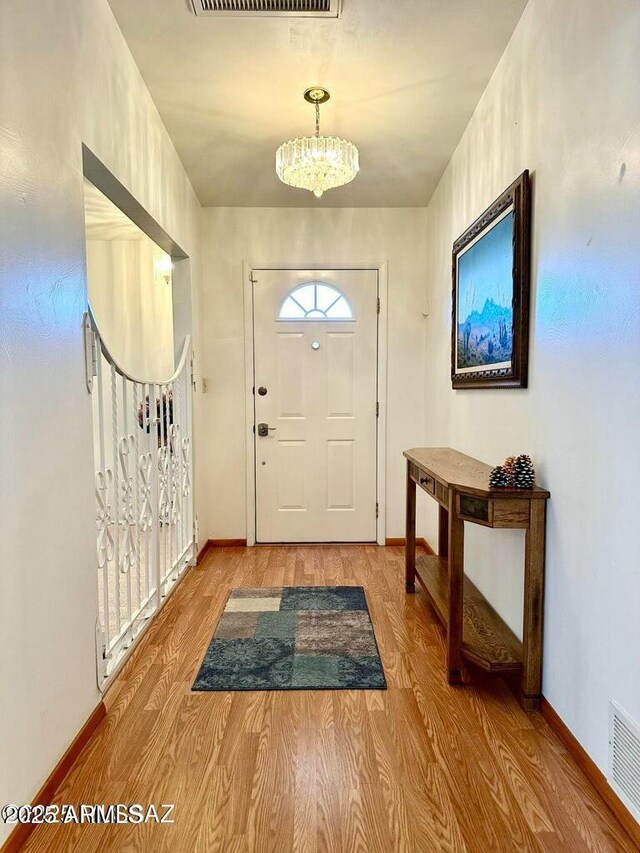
point(147, 515)
point(104, 535)
point(116, 494)
point(188, 462)
point(175, 469)
point(127, 522)
point(160, 498)
point(137, 499)
point(173, 428)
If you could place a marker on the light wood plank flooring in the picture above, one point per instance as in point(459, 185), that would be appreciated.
point(420, 767)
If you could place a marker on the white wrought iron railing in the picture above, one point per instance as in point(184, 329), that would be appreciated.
point(144, 498)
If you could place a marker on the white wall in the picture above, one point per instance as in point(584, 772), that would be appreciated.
point(304, 237)
point(67, 78)
point(132, 305)
point(565, 103)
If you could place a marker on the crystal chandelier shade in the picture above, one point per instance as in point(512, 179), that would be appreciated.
point(317, 163)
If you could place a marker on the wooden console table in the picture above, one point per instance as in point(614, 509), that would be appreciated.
point(475, 632)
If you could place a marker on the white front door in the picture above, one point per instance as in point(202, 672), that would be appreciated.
point(315, 350)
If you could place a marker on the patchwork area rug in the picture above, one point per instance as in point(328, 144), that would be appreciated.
point(293, 638)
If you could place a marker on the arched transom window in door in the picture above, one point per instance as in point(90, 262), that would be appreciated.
point(315, 300)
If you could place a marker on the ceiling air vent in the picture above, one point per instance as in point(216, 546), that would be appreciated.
point(268, 8)
point(624, 758)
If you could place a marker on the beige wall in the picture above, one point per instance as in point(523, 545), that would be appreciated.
point(132, 305)
point(303, 238)
point(67, 78)
point(564, 103)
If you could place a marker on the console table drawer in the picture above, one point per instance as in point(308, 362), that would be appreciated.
point(424, 480)
point(427, 482)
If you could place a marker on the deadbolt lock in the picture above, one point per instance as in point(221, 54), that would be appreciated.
point(263, 429)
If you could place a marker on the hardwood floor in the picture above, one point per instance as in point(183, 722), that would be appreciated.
point(420, 767)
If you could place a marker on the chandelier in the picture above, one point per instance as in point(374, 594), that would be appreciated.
point(317, 163)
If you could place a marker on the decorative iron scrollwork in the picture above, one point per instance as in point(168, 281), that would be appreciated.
point(186, 467)
point(145, 465)
point(105, 542)
point(175, 485)
point(164, 500)
point(128, 551)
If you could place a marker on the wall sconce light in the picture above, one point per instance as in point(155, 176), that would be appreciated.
point(163, 268)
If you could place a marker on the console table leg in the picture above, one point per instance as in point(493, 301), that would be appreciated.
point(443, 532)
point(410, 535)
point(533, 606)
point(455, 547)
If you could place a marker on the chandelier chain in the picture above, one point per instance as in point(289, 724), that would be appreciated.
point(318, 119)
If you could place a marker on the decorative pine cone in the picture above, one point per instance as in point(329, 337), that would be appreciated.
point(498, 478)
point(524, 475)
point(509, 465)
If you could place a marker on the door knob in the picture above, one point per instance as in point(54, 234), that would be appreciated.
point(263, 429)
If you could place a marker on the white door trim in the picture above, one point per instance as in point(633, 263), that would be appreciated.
point(249, 362)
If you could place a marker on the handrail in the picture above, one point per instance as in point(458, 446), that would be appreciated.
point(122, 372)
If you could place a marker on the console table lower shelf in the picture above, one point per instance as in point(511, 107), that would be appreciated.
point(487, 640)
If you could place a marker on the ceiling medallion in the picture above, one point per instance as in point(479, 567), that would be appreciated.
point(317, 163)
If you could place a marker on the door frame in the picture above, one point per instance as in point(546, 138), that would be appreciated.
point(381, 269)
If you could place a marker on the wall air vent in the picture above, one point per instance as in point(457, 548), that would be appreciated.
point(624, 758)
point(268, 8)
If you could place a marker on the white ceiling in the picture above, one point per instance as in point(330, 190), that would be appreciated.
point(404, 75)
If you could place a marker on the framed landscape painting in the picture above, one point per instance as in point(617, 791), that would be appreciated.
point(490, 307)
